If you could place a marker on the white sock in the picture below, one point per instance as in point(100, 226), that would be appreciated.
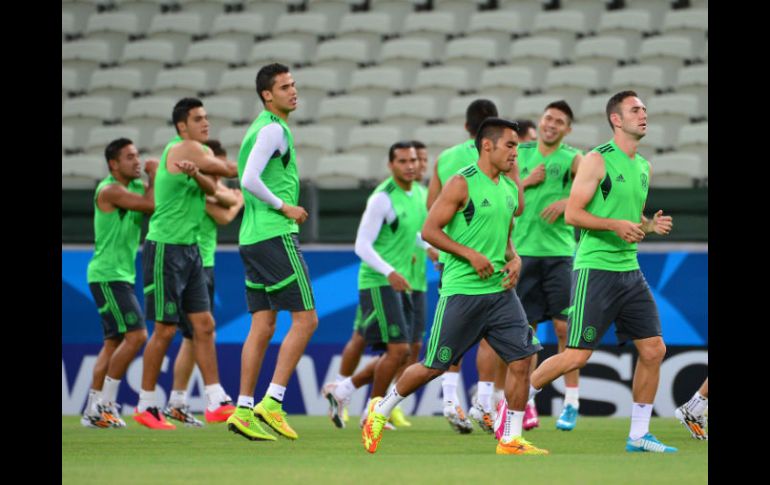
point(340, 378)
point(640, 420)
point(215, 396)
point(147, 399)
point(110, 389)
point(344, 389)
point(697, 404)
point(531, 402)
point(532, 392)
point(94, 397)
point(497, 395)
point(389, 402)
point(512, 425)
point(449, 387)
point(484, 395)
point(571, 397)
point(276, 392)
point(246, 401)
point(178, 399)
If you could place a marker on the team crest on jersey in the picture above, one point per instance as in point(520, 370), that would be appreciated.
point(553, 171)
point(644, 180)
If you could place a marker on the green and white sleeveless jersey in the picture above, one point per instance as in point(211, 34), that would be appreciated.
point(116, 241)
point(620, 195)
point(533, 235)
point(418, 279)
point(207, 240)
point(396, 240)
point(261, 221)
point(180, 204)
point(483, 226)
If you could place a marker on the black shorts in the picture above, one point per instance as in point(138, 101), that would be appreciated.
point(184, 324)
point(418, 316)
point(118, 307)
point(462, 320)
point(174, 282)
point(544, 287)
point(386, 316)
point(600, 297)
point(277, 277)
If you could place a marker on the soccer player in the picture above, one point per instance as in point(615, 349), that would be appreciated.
point(692, 413)
point(471, 222)
point(120, 202)
point(221, 209)
point(385, 242)
point(174, 281)
point(545, 243)
point(606, 203)
point(277, 277)
point(527, 130)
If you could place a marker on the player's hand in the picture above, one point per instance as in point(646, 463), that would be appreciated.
point(187, 167)
point(151, 166)
point(481, 264)
point(398, 282)
point(662, 224)
point(433, 255)
point(296, 213)
point(536, 177)
point(629, 231)
point(511, 270)
point(553, 211)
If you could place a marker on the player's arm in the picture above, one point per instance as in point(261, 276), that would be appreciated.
point(205, 159)
point(557, 208)
point(535, 178)
point(205, 182)
point(453, 198)
point(225, 196)
point(512, 268)
point(374, 217)
point(659, 224)
point(589, 175)
point(268, 142)
point(117, 196)
point(520, 186)
point(224, 215)
point(434, 186)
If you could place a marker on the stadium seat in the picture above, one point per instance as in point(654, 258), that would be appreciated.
point(458, 105)
point(231, 138)
point(121, 82)
point(657, 140)
point(631, 25)
point(226, 110)
point(677, 170)
point(160, 138)
point(572, 83)
point(82, 171)
point(412, 111)
point(344, 112)
point(584, 137)
point(645, 80)
point(181, 27)
point(100, 136)
point(531, 107)
point(335, 8)
point(438, 138)
point(463, 8)
point(695, 139)
point(444, 82)
point(508, 81)
point(379, 84)
point(242, 28)
point(152, 55)
point(150, 112)
point(290, 52)
point(537, 53)
point(88, 54)
point(668, 52)
point(373, 142)
point(313, 142)
point(687, 22)
point(342, 171)
point(602, 53)
point(498, 25)
point(672, 111)
point(119, 27)
point(592, 110)
point(408, 54)
point(397, 9)
point(72, 139)
point(565, 25)
point(91, 110)
point(70, 28)
point(656, 8)
point(345, 55)
point(527, 9)
point(305, 27)
point(215, 55)
point(369, 27)
point(695, 80)
point(72, 81)
point(178, 83)
point(473, 54)
point(433, 26)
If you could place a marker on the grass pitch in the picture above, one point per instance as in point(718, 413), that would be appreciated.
point(428, 452)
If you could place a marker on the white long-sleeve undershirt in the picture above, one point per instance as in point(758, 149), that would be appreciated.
point(271, 138)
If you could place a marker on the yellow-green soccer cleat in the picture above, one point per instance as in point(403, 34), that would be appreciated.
point(274, 416)
point(519, 446)
point(244, 423)
point(371, 433)
point(398, 418)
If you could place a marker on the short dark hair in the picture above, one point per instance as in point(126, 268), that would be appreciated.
point(614, 103)
point(562, 106)
point(524, 126)
point(266, 77)
point(114, 147)
point(477, 111)
point(492, 128)
point(216, 147)
point(418, 145)
point(182, 110)
point(397, 146)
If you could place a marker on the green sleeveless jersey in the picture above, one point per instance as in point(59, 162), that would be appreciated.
point(180, 204)
point(620, 195)
point(396, 241)
point(260, 221)
point(418, 279)
point(454, 158)
point(207, 240)
point(117, 236)
point(483, 226)
point(533, 236)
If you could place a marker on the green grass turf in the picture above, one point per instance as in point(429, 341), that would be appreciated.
point(428, 452)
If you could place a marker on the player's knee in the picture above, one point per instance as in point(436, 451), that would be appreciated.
point(653, 352)
point(576, 359)
point(307, 321)
point(399, 352)
point(164, 332)
point(137, 338)
point(561, 332)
